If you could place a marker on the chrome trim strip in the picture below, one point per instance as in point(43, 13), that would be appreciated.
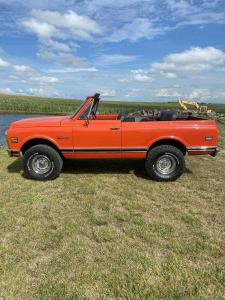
point(128, 150)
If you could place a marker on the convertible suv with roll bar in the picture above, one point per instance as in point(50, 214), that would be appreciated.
point(162, 140)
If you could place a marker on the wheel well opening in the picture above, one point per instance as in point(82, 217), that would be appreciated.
point(170, 142)
point(34, 142)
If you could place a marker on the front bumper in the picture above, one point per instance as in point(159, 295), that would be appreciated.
point(13, 153)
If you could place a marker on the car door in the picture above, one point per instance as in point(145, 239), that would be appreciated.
point(136, 137)
point(97, 139)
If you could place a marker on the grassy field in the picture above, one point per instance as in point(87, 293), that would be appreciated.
point(105, 231)
point(25, 104)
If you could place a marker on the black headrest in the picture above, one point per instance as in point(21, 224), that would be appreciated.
point(167, 115)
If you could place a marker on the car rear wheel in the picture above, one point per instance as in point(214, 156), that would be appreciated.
point(165, 163)
point(42, 162)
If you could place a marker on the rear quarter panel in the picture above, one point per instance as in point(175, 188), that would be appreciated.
point(190, 133)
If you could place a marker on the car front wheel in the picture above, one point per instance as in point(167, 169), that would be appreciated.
point(42, 162)
point(165, 163)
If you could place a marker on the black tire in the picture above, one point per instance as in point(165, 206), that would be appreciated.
point(160, 158)
point(42, 162)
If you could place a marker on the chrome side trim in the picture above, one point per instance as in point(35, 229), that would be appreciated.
point(99, 150)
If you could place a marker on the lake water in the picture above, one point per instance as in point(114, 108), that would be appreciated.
point(6, 120)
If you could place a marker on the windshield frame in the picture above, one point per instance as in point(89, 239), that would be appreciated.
point(90, 99)
point(89, 111)
point(82, 104)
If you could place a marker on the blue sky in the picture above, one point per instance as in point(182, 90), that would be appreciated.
point(146, 50)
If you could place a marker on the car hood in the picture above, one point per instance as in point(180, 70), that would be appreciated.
point(40, 122)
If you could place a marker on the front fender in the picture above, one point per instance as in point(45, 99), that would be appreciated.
point(39, 137)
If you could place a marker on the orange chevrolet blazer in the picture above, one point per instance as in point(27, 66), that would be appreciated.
point(162, 140)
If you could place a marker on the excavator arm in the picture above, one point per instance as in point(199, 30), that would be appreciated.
point(185, 103)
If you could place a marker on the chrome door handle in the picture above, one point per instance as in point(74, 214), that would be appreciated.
point(115, 128)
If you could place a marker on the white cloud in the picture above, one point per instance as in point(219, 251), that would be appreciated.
point(199, 93)
point(124, 80)
point(219, 94)
point(108, 92)
point(42, 30)
point(64, 59)
point(52, 27)
point(6, 91)
point(45, 79)
point(3, 63)
point(142, 76)
point(37, 91)
point(209, 56)
point(181, 8)
point(81, 27)
point(189, 13)
point(96, 5)
point(138, 29)
point(13, 77)
point(132, 92)
point(21, 92)
point(43, 92)
point(189, 62)
point(57, 32)
point(167, 93)
point(177, 92)
point(111, 59)
point(57, 46)
point(23, 69)
point(138, 76)
point(170, 75)
point(31, 74)
point(73, 70)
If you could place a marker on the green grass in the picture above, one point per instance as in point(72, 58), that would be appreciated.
point(25, 104)
point(103, 230)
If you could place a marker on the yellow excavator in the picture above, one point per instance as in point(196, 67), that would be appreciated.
point(202, 109)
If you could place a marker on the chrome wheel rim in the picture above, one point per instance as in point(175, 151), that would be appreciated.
point(41, 164)
point(166, 164)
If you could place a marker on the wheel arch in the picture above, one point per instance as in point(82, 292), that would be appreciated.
point(170, 141)
point(36, 141)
